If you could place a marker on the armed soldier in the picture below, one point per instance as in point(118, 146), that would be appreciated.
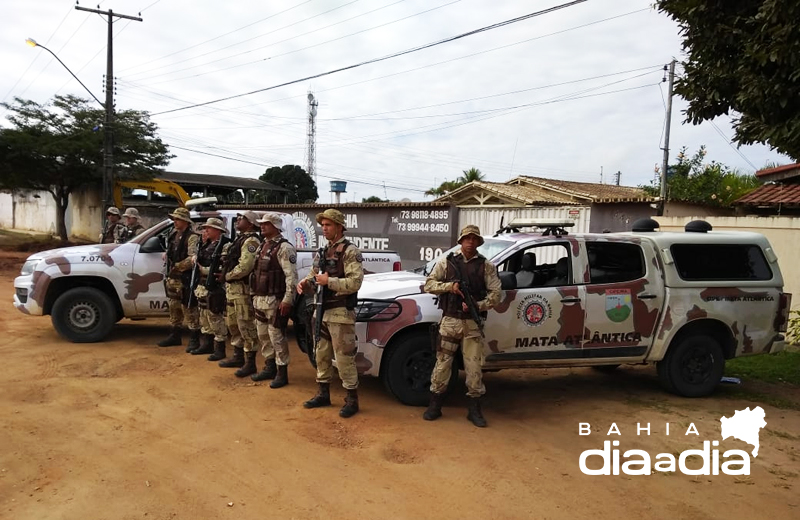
point(182, 244)
point(210, 292)
point(272, 286)
point(339, 271)
point(468, 286)
point(110, 229)
point(131, 228)
point(240, 257)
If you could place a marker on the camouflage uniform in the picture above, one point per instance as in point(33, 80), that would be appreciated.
point(211, 297)
point(181, 246)
point(457, 328)
point(125, 232)
point(272, 283)
point(110, 229)
point(240, 258)
point(341, 263)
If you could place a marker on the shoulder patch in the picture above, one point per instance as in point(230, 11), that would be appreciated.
point(293, 258)
point(252, 248)
point(359, 257)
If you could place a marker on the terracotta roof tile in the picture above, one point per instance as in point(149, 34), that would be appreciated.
point(594, 192)
point(772, 194)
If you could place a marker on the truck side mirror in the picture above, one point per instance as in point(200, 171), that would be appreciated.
point(152, 245)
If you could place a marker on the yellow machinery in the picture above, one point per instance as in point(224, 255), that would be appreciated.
point(159, 185)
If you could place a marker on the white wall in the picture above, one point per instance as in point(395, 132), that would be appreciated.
point(783, 234)
point(6, 210)
point(27, 210)
point(488, 219)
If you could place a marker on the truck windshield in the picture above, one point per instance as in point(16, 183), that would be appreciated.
point(490, 248)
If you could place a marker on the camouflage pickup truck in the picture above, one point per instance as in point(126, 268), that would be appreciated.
point(87, 289)
point(684, 301)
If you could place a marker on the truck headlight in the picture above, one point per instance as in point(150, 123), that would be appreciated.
point(29, 266)
point(377, 310)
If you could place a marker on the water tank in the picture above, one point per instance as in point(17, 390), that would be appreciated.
point(338, 186)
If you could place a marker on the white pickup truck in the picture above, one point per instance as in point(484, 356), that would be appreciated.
point(87, 289)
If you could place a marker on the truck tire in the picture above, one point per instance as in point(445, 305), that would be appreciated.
point(408, 366)
point(693, 366)
point(83, 315)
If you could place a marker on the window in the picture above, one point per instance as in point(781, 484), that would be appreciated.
point(540, 266)
point(614, 262)
point(720, 262)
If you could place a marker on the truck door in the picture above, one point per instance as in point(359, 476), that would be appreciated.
point(543, 318)
point(624, 296)
point(146, 287)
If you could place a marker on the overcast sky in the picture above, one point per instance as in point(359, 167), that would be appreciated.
point(560, 95)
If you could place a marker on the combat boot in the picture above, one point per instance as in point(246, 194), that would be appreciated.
point(249, 365)
point(236, 361)
point(434, 410)
point(219, 351)
point(474, 414)
point(282, 379)
point(270, 369)
point(350, 407)
point(323, 397)
point(173, 339)
point(206, 345)
point(194, 340)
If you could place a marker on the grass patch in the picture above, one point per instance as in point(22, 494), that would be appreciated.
point(783, 367)
point(759, 397)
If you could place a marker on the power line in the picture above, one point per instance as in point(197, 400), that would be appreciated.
point(735, 149)
point(384, 58)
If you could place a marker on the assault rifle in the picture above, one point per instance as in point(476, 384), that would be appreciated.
point(319, 300)
point(216, 258)
point(194, 280)
point(472, 305)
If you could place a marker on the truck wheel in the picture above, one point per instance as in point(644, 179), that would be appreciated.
point(83, 315)
point(409, 364)
point(304, 327)
point(693, 367)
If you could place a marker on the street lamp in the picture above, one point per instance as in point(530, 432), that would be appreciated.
point(108, 160)
point(33, 43)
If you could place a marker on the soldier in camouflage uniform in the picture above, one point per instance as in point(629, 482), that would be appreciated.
point(109, 234)
point(457, 328)
point(211, 296)
point(340, 278)
point(240, 258)
point(272, 286)
point(182, 245)
point(131, 228)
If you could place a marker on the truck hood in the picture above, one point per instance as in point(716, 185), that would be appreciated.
point(391, 285)
point(88, 249)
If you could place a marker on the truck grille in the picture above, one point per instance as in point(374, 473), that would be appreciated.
point(22, 295)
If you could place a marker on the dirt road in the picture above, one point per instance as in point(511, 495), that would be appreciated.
point(126, 430)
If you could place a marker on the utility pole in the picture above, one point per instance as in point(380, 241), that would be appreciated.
point(617, 176)
point(311, 146)
point(665, 163)
point(108, 133)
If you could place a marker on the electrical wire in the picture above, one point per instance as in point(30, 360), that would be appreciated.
point(384, 58)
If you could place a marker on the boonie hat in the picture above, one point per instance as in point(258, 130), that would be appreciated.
point(181, 214)
point(272, 218)
point(471, 230)
point(332, 214)
point(131, 212)
point(112, 211)
point(250, 216)
point(215, 223)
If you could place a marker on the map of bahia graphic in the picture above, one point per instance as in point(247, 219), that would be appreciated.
point(745, 426)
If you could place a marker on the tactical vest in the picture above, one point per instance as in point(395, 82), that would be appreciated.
point(109, 236)
point(128, 232)
point(178, 249)
point(268, 278)
point(235, 252)
point(332, 262)
point(204, 254)
point(473, 272)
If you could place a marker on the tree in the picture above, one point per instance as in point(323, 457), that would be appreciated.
point(373, 198)
point(473, 174)
point(58, 147)
point(742, 56)
point(301, 186)
point(711, 184)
